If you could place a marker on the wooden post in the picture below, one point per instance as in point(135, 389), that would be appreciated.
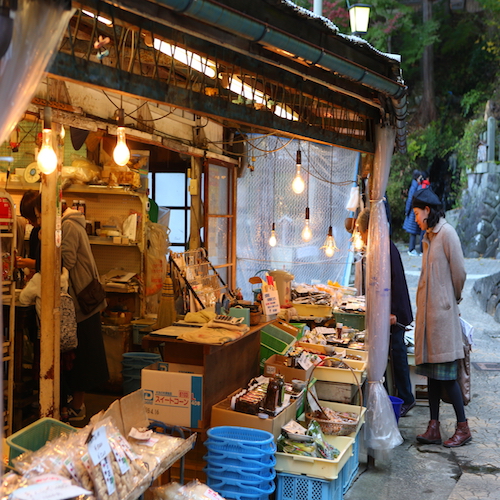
point(50, 300)
point(196, 209)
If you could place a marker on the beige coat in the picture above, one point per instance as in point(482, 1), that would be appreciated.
point(438, 334)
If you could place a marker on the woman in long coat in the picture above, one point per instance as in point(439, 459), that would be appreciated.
point(409, 224)
point(438, 333)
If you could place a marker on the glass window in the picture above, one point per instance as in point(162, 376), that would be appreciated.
point(218, 240)
point(170, 189)
point(177, 225)
point(219, 190)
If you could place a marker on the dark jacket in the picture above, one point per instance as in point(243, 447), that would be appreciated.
point(400, 298)
point(409, 224)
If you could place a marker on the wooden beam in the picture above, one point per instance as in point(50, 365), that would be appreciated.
point(100, 76)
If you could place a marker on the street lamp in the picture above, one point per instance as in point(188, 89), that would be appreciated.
point(359, 15)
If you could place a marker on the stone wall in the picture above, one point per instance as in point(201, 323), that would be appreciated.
point(478, 221)
point(486, 291)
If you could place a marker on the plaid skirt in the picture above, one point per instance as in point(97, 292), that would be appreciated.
point(438, 371)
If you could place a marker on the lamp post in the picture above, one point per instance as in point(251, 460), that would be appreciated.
point(359, 15)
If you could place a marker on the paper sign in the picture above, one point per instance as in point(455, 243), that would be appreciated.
point(50, 490)
point(99, 446)
point(305, 361)
point(270, 302)
point(109, 478)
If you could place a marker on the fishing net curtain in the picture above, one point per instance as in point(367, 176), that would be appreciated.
point(265, 196)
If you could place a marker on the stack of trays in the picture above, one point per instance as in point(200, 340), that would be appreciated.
point(240, 462)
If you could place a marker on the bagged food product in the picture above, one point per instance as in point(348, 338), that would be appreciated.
point(194, 490)
point(117, 472)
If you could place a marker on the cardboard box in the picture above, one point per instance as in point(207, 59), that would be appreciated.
point(222, 414)
point(275, 364)
point(173, 397)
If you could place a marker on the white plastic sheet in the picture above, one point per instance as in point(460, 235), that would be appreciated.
point(38, 27)
point(381, 431)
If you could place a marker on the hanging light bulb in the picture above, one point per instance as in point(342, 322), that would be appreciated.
point(47, 158)
point(357, 241)
point(121, 153)
point(306, 232)
point(272, 239)
point(298, 184)
point(330, 246)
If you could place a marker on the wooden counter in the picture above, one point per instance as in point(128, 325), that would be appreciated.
point(226, 367)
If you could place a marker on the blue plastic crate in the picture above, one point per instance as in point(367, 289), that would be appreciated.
point(236, 460)
point(238, 479)
point(241, 435)
point(295, 487)
point(240, 448)
point(350, 469)
point(241, 492)
point(240, 474)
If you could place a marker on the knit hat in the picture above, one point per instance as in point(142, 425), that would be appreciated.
point(426, 198)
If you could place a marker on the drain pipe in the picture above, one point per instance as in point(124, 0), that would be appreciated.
point(240, 24)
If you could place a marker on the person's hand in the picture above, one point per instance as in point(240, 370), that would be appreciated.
point(22, 262)
point(393, 319)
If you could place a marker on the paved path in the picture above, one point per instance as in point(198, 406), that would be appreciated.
point(430, 472)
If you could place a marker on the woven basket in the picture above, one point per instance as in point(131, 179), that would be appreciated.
point(328, 426)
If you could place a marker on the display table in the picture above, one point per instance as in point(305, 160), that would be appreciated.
point(226, 367)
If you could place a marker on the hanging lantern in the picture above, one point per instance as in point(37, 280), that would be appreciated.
point(330, 246)
point(47, 158)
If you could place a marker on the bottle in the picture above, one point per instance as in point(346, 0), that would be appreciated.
point(82, 207)
point(272, 394)
point(75, 205)
point(281, 393)
point(64, 205)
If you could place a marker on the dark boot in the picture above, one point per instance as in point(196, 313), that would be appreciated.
point(462, 435)
point(431, 435)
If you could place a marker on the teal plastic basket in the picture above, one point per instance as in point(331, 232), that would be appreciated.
point(36, 435)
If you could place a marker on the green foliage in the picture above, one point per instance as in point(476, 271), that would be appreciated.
point(466, 147)
point(473, 101)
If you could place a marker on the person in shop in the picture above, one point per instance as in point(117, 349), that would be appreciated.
point(31, 208)
point(409, 224)
point(401, 316)
point(90, 368)
point(29, 201)
point(438, 332)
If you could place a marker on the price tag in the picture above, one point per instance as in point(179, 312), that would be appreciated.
point(98, 445)
point(109, 478)
point(305, 361)
point(126, 447)
point(120, 457)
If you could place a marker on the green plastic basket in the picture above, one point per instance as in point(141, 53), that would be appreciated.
point(35, 435)
point(274, 340)
point(302, 329)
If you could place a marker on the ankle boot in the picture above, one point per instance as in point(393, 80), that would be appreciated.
point(431, 435)
point(462, 435)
